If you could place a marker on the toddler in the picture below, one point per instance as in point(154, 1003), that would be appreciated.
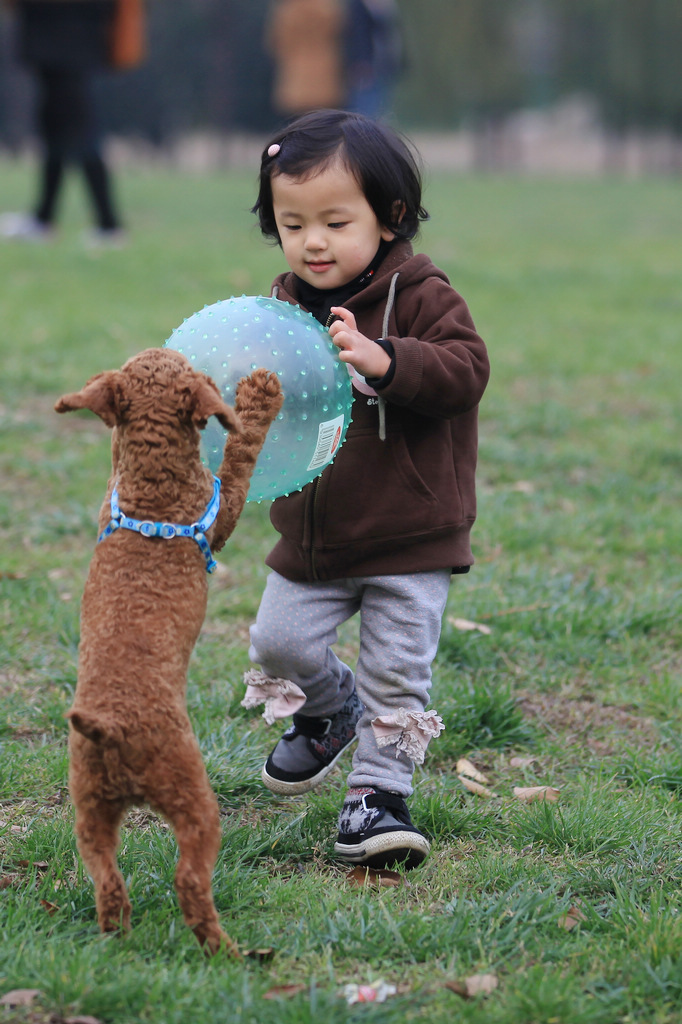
point(380, 532)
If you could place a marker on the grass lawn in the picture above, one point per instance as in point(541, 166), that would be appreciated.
point(573, 665)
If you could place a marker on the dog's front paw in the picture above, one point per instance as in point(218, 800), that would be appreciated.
point(259, 397)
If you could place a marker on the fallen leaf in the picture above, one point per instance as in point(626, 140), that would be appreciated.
point(40, 865)
point(58, 574)
point(377, 992)
point(522, 762)
point(369, 876)
point(261, 955)
point(571, 918)
point(82, 1020)
point(284, 991)
point(475, 985)
point(20, 997)
point(466, 625)
point(529, 793)
point(51, 908)
point(475, 787)
point(465, 767)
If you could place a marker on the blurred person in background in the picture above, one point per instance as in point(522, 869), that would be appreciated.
point(374, 57)
point(65, 44)
point(305, 40)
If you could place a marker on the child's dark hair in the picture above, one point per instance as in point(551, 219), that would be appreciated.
point(379, 159)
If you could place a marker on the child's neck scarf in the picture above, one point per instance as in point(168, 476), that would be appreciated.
point(320, 300)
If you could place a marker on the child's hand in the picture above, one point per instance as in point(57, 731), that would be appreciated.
point(365, 355)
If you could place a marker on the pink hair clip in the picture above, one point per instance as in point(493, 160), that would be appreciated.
point(274, 149)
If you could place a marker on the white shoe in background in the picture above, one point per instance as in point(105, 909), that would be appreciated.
point(22, 227)
point(106, 238)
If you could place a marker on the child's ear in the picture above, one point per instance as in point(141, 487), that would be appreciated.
point(398, 211)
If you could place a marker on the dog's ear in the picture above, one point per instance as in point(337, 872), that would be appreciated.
point(100, 395)
point(208, 402)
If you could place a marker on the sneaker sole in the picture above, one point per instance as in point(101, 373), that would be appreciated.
point(305, 785)
point(385, 849)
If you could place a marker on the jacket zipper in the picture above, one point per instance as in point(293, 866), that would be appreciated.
point(330, 319)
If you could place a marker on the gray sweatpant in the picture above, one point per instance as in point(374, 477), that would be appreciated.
point(400, 623)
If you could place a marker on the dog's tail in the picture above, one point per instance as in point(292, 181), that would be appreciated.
point(97, 728)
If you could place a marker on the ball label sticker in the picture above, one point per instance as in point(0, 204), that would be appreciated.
point(328, 438)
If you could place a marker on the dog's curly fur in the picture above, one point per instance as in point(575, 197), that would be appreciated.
point(130, 738)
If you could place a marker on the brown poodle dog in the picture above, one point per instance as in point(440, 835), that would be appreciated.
point(130, 737)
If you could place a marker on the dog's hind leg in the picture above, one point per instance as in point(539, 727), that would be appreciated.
point(97, 825)
point(189, 805)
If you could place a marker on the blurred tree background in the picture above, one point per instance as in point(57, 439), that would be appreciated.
point(468, 63)
point(473, 60)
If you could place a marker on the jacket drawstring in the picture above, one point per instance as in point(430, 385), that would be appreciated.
point(390, 301)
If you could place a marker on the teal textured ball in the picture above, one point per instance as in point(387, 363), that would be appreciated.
point(229, 339)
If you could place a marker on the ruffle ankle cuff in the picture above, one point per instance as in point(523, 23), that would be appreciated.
point(281, 697)
point(411, 731)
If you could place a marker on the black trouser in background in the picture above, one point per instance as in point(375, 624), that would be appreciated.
point(67, 124)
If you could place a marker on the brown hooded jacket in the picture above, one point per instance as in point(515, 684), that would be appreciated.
point(405, 503)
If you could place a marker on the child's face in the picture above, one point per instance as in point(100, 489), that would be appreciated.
point(328, 230)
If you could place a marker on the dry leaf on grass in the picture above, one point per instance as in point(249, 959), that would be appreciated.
point(81, 1019)
point(466, 626)
point(369, 876)
point(476, 985)
point(571, 918)
point(284, 991)
point(377, 992)
point(475, 787)
point(522, 762)
point(20, 997)
point(465, 767)
point(51, 908)
point(260, 955)
point(529, 793)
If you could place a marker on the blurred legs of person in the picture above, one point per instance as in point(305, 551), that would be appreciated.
point(67, 124)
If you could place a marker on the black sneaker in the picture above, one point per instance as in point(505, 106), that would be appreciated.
point(310, 748)
point(375, 829)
